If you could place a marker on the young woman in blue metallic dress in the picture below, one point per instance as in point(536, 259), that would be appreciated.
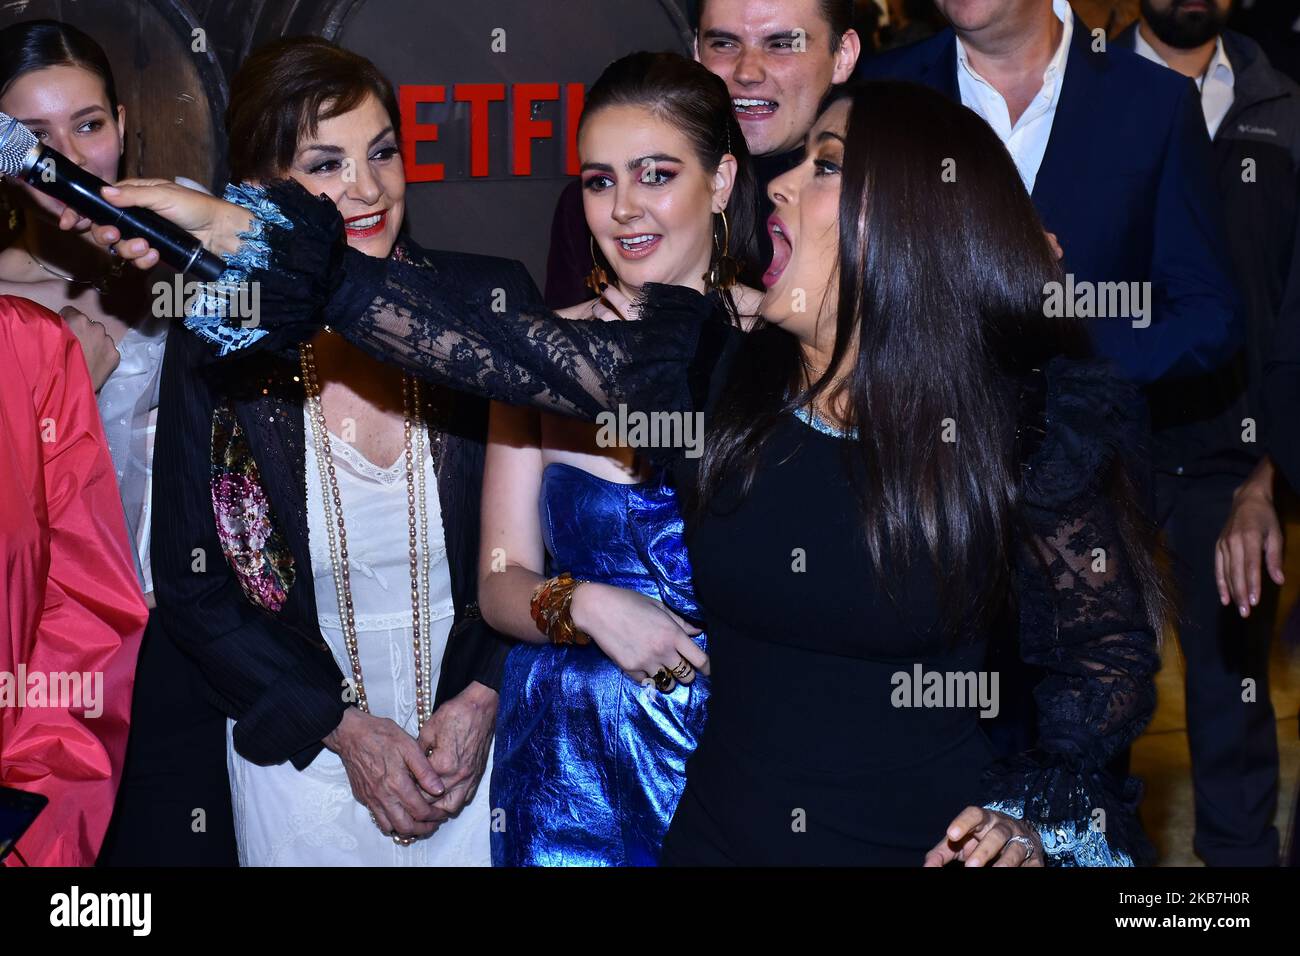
point(590, 758)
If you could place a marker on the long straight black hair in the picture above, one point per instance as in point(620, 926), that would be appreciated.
point(941, 272)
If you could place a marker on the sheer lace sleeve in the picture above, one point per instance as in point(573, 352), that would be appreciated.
point(454, 327)
point(1083, 620)
point(471, 338)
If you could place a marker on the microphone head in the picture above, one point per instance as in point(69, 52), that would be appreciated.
point(16, 142)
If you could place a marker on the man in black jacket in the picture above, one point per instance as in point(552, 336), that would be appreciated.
point(1211, 450)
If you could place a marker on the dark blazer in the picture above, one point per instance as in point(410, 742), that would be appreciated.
point(1126, 186)
point(254, 632)
point(1257, 173)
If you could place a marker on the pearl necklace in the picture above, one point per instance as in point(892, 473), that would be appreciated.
point(417, 540)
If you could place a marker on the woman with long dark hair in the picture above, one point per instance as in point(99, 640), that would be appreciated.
point(906, 444)
point(58, 81)
point(590, 757)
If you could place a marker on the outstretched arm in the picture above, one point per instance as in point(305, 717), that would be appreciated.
point(288, 249)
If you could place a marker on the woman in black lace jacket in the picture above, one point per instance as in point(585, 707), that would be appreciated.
point(905, 445)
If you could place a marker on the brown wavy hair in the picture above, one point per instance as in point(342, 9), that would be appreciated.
point(282, 92)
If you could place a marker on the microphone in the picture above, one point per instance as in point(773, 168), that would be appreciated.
point(22, 156)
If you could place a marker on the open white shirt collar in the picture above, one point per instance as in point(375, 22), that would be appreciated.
point(1026, 140)
point(1216, 83)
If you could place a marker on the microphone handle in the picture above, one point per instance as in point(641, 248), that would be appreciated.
point(74, 186)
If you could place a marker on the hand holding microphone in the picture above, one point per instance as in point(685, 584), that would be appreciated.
point(151, 219)
point(214, 222)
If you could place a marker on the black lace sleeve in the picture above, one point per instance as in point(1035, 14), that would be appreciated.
point(456, 329)
point(473, 339)
point(1084, 621)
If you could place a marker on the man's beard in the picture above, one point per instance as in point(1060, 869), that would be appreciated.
point(1184, 30)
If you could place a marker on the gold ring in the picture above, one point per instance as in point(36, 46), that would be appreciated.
point(663, 679)
point(683, 668)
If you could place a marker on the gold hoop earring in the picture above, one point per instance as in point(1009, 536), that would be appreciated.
point(597, 278)
point(724, 271)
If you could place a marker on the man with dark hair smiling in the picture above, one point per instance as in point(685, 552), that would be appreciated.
point(778, 58)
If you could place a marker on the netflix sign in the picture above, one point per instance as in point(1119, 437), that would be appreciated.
point(522, 115)
point(490, 94)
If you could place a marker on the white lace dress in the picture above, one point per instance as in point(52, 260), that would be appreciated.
point(287, 817)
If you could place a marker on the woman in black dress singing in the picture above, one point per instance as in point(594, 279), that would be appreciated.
point(902, 450)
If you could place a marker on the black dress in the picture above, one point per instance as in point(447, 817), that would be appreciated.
point(812, 753)
point(805, 759)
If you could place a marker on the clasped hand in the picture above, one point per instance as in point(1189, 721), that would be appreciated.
point(412, 786)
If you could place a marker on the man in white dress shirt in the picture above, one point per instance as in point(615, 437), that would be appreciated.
point(1116, 158)
point(1022, 117)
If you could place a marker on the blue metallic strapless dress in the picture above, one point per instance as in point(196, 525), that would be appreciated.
point(589, 764)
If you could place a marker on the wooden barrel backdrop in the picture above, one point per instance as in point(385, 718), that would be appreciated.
point(542, 47)
point(174, 94)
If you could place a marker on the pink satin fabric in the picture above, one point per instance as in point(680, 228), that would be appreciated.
point(69, 599)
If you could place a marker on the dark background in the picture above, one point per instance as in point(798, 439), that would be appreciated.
point(175, 95)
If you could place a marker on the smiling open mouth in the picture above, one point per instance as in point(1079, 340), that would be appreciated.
point(748, 108)
point(638, 246)
point(363, 227)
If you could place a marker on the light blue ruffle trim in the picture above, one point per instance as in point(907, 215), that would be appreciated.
point(208, 313)
point(815, 421)
point(1065, 847)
